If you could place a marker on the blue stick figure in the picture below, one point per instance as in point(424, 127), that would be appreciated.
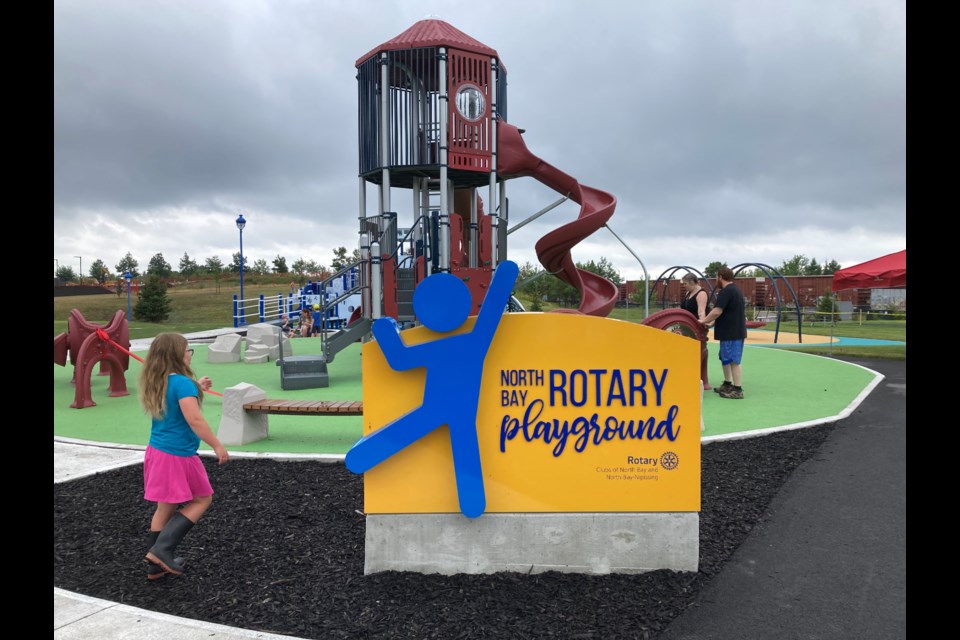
point(451, 391)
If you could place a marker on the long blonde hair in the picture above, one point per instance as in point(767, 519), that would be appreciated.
point(167, 355)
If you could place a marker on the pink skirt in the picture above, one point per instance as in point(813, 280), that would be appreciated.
point(173, 479)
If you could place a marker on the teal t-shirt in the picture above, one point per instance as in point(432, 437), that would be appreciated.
point(173, 434)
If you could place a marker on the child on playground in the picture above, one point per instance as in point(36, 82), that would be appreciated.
point(172, 471)
point(286, 326)
point(306, 322)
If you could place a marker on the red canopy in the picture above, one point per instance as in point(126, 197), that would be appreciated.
point(885, 272)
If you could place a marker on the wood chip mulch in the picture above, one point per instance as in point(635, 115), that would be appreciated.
point(281, 551)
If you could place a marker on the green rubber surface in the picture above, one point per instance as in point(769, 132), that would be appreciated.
point(781, 389)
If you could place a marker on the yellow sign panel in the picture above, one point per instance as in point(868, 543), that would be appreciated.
point(576, 414)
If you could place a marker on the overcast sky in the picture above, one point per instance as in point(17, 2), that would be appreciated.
point(733, 131)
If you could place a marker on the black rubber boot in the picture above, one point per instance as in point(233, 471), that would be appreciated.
point(168, 539)
point(154, 570)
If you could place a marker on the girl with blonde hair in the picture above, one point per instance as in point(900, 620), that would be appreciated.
point(172, 471)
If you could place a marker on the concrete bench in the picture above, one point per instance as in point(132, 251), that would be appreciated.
point(243, 418)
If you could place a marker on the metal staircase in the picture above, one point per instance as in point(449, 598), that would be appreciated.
point(406, 283)
point(337, 341)
point(343, 338)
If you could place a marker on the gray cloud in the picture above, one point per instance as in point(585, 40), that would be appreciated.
point(740, 131)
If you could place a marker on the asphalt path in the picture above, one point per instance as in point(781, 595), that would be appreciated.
point(829, 561)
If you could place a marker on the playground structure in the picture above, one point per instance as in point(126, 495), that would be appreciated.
point(433, 123)
point(757, 322)
point(333, 301)
point(86, 344)
point(683, 322)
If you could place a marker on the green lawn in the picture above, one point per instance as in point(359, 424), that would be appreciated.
point(197, 307)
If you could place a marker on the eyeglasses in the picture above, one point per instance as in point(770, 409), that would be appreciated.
point(190, 351)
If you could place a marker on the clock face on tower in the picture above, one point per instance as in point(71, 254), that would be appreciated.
point(470, 102)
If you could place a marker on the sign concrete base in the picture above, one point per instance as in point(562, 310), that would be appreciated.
point(594, 543)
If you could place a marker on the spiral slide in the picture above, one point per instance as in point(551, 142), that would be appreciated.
point(597, 294)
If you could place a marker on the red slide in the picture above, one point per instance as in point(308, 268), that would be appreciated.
point(597, 294)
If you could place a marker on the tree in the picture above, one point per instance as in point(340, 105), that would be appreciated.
point(528, 270)
point(235, 265)
point(299, 267)
point(813, 268)
point(639, 295)
point(214, 266)
point(153, 303)
point(603, 268)
point(128, 264)
point(567, 295)
point(307, 268)
point(314, 267)
point(794, 266)
point(260, 267)
point(713, 268)
point(159, 267)
point(280, 265)
point(534, 283)
point(339, 259)
point(99, 271)
point(826, 304)
point(187, 266)
point(66, 274)
point(831, 268)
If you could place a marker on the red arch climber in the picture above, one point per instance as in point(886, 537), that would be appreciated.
point(687, 322)
point(87, 344)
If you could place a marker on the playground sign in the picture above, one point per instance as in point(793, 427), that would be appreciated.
point(574, 414)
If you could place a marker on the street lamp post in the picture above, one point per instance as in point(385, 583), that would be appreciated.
point(241, 223)
point(128, 277)
point(81, 268)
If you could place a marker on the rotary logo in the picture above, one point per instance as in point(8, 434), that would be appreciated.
point(669, 460)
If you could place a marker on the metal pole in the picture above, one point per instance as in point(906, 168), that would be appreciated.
point(241, 223)
point(833, 309)
point(538, 214)
point(128, 277)
point(243, 319)
point(376, 281)
point(444, 222)
point(80, 275)
point(495, 218)
point(366, 277)
point(384, 133)
point(646, 277)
